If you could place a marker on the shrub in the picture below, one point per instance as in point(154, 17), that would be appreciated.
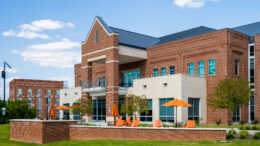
point(247, 128)
point(243, 134)
point(241, 128)
point(254, 127)
point(242, 122)
point(258, 127)
point(218, 122)
point(256, 135)
point(231, 134)
point(197, 121)
point(255, 121)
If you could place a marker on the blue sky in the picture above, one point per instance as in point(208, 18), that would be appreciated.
point(41, 39)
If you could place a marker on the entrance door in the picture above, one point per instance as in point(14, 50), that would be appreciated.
point(99, 110)
point(66, 113)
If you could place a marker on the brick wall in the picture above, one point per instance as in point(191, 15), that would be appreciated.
point(40, 132)
point(150, 134)
point(257, 76)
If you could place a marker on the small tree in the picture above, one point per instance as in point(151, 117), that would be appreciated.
point(82, 106)
point(230, 93)
point(134, 104)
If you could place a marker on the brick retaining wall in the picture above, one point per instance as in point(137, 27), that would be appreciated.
point(145, 133)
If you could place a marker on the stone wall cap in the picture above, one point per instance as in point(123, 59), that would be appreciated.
point(155, 128)
point(37, 120)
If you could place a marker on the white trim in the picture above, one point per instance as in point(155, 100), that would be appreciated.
point(97, 58)
point(85, 67)
point(112, 47)
point(96, 20)
point(111, 61)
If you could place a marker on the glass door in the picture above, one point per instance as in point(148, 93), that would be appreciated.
point(99, 110)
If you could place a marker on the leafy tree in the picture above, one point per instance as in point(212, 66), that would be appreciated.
point(134, 104)
point(230, 93)
point(82, 107)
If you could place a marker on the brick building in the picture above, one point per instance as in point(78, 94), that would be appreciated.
point(116, 62)
point(40, 94)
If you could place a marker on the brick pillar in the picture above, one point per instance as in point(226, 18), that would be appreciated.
point(112, 75)
point(257, 76)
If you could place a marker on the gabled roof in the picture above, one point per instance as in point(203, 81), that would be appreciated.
point(104, 24)
point(185, 34)
point(133, 39)
point(249, 29)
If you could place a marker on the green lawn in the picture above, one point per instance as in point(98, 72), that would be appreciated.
point(4, 141)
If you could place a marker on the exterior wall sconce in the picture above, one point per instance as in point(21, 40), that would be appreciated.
point(65, 94)
point(76, 93)
point(165, 84)
point(144, 86)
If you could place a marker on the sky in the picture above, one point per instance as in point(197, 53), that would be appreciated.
point(41, 39)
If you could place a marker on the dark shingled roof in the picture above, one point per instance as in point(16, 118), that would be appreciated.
point(185, 34)
point(133, 39)
point(250, 30)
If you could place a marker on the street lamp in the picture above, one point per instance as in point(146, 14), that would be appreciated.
point(4, 77)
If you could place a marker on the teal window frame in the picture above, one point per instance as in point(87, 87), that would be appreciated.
point(39, 101)
point(194, 110)
point(58, 92)
point(39, 92)
point(19, 91)
point(148, 117)
point(130, 76)
point(191, 68)
point(212, 67)
point(29, 92)
point(104, 81)
point(201, 68)
point(166, 113)
point(49, 92)
point(172, 70)
point(155, 72)
point(99, 81)
point(163, 71)
point(236, 67)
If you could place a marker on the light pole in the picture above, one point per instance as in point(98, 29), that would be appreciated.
point(4, 77)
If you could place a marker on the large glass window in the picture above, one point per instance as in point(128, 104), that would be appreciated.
point(191, 68)
point(39, 92)
point(99, 81)
point(39, 109)
point(194, 111)
point(236, 67)
point(48, 101)
point(148, 116)
point(128, 77)
point(201, 68)
point(29, 92)
point(163, 71)
point(99, 109)
point(252, 50)
point(58, 101)
point(252, 107)
point(172, 70)
point(166, 112)
point(58, 92)
point(19, 91)
point(155, 72)
point(236, 115)
point(252, 70)
point(39, 101)
point(49, 92)
point(212, 70)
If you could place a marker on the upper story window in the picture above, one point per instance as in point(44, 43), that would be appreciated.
point(49, 92)
point(252, 50)
point(191, 68)
point(58, 101)
point(19, 91)
point(96, 36)
point(48, 100)
point(155, 72)
point(252, 70)
point(80, 83)
point(104, 81)
point(163, 70)
point(236, 67)
point(212, 69)
point(29, 100)
point(58, 92)
point(29, 91)
point(99, 81)
point(128, 77)
point(172, 70)
point(39, 101)
point(201, 68)
point(39, 92)
point(39, 109)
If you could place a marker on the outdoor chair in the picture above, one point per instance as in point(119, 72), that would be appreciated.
point(135, 123)
point(157, 123)
point(120, 123)
point(128, 121)
point(190, 124)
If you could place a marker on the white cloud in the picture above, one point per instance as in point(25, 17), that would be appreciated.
point(191, 3)
point(39, 25)
point(31, 35)
point(8, 33)
point(69, 24)
point(65, 44)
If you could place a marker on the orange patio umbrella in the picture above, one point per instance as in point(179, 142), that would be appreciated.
point(62, 107)
point(52, 112)
point(176, 103)
point(115, 112)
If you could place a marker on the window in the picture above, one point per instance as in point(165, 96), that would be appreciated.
point(166, 112)
point(39, 109)
point(58, 92)
point(252, 70)
point(148, 116)
point(29, 101)
point(96, 36)
point(155, 72)
point(39, 92)
point(163, 70)
point(129, 77)
point(20, 91)
point(252, 107)
point(172, 70)
point(252, 50)
point(104, 81)
point(236, 67)
point(99, 81)
point(49, 92)
point(29, 92)
point(120, 102)
point(201, 68)
point(39, 116)
point(39, 101)
point(80, 83)
point(48, 110)
point(191, 68)
point(236, 115)
point(212, 67)
point(58, 101)
point(20, 99)
point(48, 101)
point(193, 112)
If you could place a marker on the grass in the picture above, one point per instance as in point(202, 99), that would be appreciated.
point(5, 132)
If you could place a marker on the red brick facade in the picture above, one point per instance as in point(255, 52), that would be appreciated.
point(34, 85)
point(257, 76)
point(225, 46)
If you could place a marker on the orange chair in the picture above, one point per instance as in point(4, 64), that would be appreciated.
point(135, 123)
point(157, 123)
point(190, 124)
point(120, 123)
point(128, 121)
